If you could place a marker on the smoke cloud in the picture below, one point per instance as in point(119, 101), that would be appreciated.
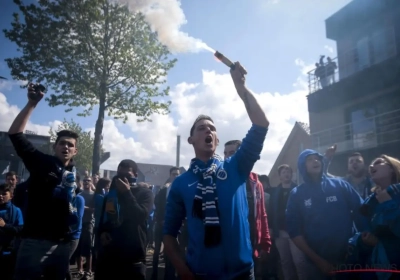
point(166, 18)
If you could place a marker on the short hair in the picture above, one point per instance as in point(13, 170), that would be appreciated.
point(355, 154)
point(143, 185)
point(11, 173)
point(263, 178)
point(67, 133)
point(234, 142)
point(283, 167)
point(128, 163)
point(200, 118)
point(6, 188)
point(173, 169)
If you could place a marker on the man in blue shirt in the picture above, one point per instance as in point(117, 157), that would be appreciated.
point(212, 195)
point(320, 214)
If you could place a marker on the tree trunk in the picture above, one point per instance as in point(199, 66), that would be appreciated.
point(98, 133)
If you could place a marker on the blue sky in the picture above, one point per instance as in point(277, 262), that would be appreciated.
point(266, 36)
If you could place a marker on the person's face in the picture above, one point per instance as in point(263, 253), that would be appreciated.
point(12, 180)
point(174, 174)
point(313, 165)
point(126, 172)
point(204, 138)
point(65, 149)
point(5, 197)
point(286, 175)
point(230, 150)
point(265, 184)
point(95, 179)
point(380, 170)
point(355, 165)
point(87, 183)
point(107, 187)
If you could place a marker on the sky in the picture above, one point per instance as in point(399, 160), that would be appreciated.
point(277, 41)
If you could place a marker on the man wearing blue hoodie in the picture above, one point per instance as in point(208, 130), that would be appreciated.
point(212, 195)
point(319, 217)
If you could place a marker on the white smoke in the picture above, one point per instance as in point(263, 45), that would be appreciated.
point(166, 18)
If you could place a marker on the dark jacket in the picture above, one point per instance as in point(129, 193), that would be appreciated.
point(46, 217)
point(274, 206)
point(160, 202)
point(20, 197)
point(129, 239)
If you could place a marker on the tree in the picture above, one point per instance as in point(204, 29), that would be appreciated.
point(85, 145)
point(92, 53)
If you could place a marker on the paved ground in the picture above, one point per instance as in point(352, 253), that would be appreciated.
point(149, 261)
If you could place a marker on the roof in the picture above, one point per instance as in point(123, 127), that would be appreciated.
point(297, 128)
point(153, 174)
point(305, 127)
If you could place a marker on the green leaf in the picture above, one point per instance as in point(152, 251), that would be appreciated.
point(90, 53)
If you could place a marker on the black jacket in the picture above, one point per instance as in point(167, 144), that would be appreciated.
point(20, 197)
point(160, 203)
point(274, 208)
point(129, 239)
point(46, 217)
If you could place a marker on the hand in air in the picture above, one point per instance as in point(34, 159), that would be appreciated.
point(34, 96)
point(238, 75)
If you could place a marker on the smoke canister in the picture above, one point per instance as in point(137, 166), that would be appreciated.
point(224, 60)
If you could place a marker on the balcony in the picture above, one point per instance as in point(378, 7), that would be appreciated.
point(369, 132)
point(369, 51)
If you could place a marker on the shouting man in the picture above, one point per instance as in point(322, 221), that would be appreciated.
point(51, 193)
point(212, 194)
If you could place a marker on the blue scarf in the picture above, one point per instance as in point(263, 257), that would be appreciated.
point(205, 204)
point(66, 190)
point(112, 207)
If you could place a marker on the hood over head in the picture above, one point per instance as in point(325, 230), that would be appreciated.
point(301, 164)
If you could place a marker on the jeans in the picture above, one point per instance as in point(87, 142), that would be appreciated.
point(42, 257)
point(113, 267)
point(292, 259)
point(249, 275)
point(157, 248)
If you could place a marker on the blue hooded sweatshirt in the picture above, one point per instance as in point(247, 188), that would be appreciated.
point(79, 207)
point(14, 222)
point(234, 255)
point(324, 213)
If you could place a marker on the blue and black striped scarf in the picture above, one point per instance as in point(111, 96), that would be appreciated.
point(205, 204)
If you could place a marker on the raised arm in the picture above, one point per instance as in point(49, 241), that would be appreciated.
point(250, 150)
point(25, 150)
point(253, 108)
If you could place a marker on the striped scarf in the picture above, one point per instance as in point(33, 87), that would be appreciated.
point(205, 204)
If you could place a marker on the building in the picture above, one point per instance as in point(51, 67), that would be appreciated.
point(298, 140)
point(153, 174)
point(359, 106)
point(9, 160)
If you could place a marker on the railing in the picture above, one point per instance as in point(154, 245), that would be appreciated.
point(371, 50)
point(323, 76)
point(370, 132)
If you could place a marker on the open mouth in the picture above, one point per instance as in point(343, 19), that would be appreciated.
point(65, 153)
point(208, 139)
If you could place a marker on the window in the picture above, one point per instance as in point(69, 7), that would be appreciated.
point(383, 45)
point(363, 56)
point(363, 127)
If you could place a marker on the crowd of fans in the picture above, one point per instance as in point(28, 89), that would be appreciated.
point(211, 220)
